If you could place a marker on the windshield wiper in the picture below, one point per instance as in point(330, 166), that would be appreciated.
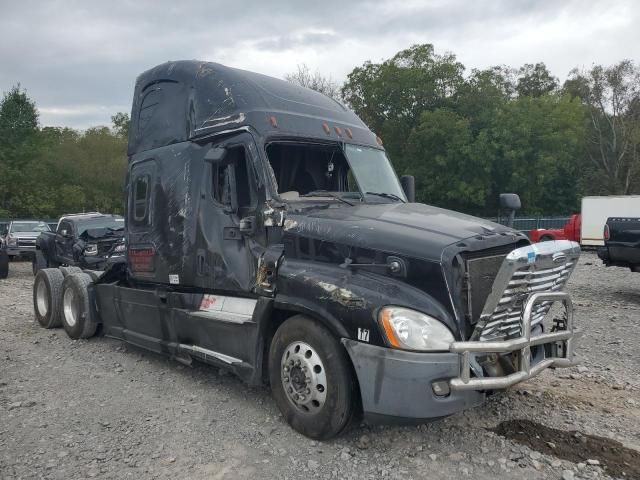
point(392, 196)
point(328, 194)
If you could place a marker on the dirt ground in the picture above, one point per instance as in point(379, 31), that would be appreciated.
point(98, 408)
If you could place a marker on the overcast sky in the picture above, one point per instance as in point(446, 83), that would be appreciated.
point(79, 59)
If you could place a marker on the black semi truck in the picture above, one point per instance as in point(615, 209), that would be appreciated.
point(267, 233)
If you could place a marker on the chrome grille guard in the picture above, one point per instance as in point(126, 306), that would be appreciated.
point(528, 283)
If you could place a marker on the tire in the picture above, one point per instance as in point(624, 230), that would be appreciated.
point(321, 412)
point(38, 262)
point(47, 297)
point(546, 238)
point(76, 310)
point(69, 270)
point(4, 264)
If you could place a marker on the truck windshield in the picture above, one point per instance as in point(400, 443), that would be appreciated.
point(107, 223)
point(323, 172)
point(22, 227)
point(373, 172)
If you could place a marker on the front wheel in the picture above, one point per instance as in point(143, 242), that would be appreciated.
point(311, 378)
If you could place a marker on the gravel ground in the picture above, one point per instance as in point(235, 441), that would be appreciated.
point(102, 409)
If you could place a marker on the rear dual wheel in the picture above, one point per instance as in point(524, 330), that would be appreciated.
point(77, 319)
point(311, 378)
point(47, 297)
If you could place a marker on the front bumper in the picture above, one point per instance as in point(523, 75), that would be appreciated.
point(397, 383)
point(560, 344)
point(400, 383)
point(21, 250)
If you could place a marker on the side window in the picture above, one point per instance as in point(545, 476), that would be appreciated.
point(230, 180)
point(221, 187)
point(141, 198)
point(64, 228)
point(148, 107)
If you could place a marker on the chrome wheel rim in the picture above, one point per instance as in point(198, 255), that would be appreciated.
point(42, 299)
point(69, 306)
point(303, 377)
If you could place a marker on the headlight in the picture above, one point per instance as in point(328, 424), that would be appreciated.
point(91, 249)
point(411, 330)
point(119, 248)
point(11, 240)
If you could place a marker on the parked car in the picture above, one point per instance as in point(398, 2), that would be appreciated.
point(596, 210)
point(570, 231)
point(84, 240)
point(621, 243)
point(268, 234)
point(20, 237)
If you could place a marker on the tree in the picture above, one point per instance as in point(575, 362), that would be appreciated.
point(534, 144)
point(449, 170)
point(612, 96)
point(315, 81)
point(535, 80)
point(121, 122)
point(18, 130)
point(391, 96)
point(483, 93)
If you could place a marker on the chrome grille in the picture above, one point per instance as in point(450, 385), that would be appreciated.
point(544, 267)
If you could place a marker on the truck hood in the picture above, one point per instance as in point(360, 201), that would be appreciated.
point(409, 229)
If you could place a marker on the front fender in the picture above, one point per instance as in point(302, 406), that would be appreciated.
point(45, 243)
point(348, 301)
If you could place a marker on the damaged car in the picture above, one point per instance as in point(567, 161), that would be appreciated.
point(267, 233)
point(84, 240)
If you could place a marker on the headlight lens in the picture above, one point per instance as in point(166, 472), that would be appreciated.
point(91, 249)
point(119, 248)
point(411, 330)
point(11, 240)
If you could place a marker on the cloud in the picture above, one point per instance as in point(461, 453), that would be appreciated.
point(79, 60)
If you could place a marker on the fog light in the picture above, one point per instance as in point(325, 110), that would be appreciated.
point(441, 388)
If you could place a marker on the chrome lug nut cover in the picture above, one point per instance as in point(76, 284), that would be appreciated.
point(303, 377)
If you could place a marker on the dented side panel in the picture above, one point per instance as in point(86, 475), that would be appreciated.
point(348, 302)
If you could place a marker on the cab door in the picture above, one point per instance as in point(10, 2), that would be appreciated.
point(64, 241)
point(227, 213)
point(221, 324)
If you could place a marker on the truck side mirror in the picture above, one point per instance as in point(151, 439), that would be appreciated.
point(215, 155)
point(408, 183)
point(510, 202)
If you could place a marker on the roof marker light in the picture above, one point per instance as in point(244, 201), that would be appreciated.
point(326, 128)
point(349, 132)
point(338, 131)
point(274, 122)
point(379, 140)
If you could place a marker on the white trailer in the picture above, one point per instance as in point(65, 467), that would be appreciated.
point(596, 210)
